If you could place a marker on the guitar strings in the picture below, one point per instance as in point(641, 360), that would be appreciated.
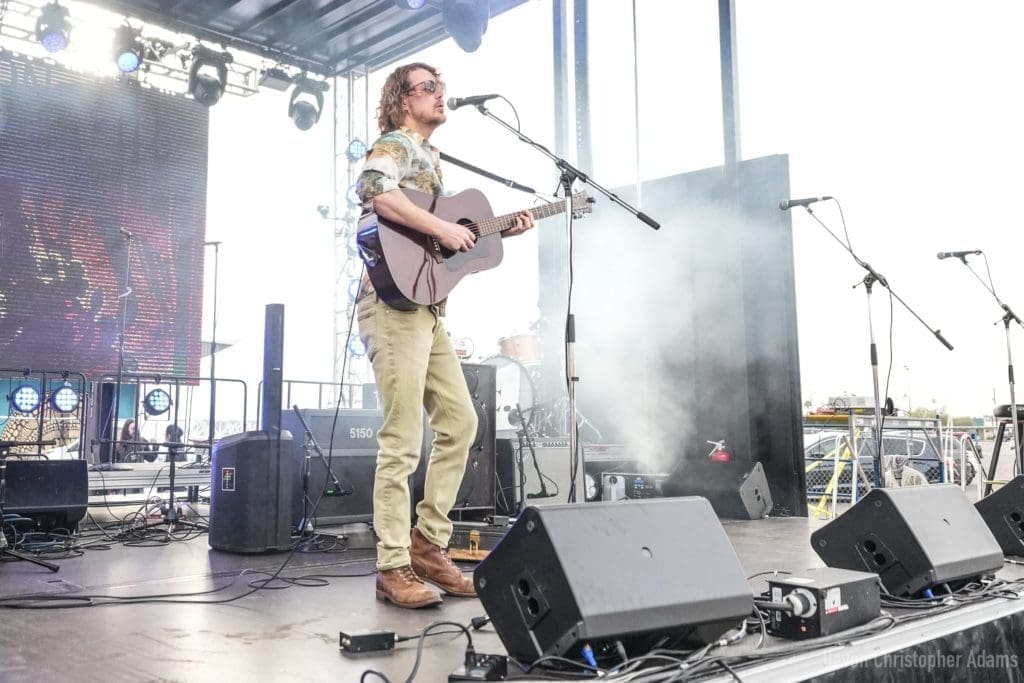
point(508, 220)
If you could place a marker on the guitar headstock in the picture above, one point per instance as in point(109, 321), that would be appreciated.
point(581, 202)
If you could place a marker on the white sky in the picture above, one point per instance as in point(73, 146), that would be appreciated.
point(908, 112)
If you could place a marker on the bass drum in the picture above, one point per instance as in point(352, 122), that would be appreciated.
point(516, 395)
point(524, 347)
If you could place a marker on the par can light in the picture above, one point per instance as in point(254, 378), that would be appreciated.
point(25, 398)
point(65, 400)
point(156, 402)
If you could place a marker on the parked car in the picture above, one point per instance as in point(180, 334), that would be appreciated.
point(921, 452)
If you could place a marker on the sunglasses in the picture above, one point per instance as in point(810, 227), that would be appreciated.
point(429, 87)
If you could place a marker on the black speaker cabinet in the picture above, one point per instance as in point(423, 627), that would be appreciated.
point(736, 490)
point(634, 571)
point(555, 465)
point(251, 492)
point(353, 461)
point(355, 470)
point(478, 484)
point(355, 430)
point(53, 492)
point(476, 495)
point(1003, 511)
point(913, 538)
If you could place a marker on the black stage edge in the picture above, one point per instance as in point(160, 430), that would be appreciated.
point(292, 634)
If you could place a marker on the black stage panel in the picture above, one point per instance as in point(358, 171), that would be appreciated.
point(688, 333)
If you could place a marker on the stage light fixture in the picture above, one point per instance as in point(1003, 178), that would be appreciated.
point(208, 76)
point(357, 347)
point(410, 4)
point(25, 398)
point(156, 402)
point(307, 102)
point(276, 78)
point(128, 49)
point(466, 21)
point(64, 400)
point(53, 29)
point(352, 196)
point(356, 150)
point(352, 244)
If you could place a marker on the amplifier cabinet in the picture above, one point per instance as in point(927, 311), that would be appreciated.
point(354, 470)
point(554, 463)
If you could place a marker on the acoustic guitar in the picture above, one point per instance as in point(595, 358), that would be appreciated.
point(409, 268)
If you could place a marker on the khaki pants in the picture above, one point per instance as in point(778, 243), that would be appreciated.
point(415, 367)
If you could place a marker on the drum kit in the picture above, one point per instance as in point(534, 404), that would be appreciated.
point(517, 370)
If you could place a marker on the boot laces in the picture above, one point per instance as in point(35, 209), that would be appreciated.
point(407, 574)
point(447, 559)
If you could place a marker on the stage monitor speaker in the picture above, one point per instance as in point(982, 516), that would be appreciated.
point(639, 572)
point(251, 493)
point(53, 492)
point(913, 538)
point(1003, 512)
point(736, 490)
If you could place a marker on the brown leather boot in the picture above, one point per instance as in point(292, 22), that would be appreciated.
point(433, 564)
point(401, 586)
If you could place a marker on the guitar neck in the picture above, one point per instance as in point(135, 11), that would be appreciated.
point(506, 221)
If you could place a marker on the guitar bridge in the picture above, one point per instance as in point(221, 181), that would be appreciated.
point(436, 251)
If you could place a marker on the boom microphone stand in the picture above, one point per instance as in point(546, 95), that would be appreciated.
point(213, 344)
point(335, 488)
point(171, 516)
point(526, 441)
point(569, 174)
point(1008, 316)
point(869, 280)
point(120, 345)
point(5, 549)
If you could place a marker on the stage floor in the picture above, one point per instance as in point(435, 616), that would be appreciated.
point(292, 634)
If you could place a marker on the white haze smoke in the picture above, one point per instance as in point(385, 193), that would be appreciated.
point(665, 349)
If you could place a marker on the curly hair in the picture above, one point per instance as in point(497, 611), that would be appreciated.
point(390, 115)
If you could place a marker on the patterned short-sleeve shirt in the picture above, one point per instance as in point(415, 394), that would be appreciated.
point(400, 159)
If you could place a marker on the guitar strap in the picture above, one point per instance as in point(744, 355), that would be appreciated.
point(487, 174)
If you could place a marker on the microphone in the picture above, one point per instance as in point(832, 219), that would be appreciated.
point(336, 489)
point(787, 204)
point(540, 494)
point(957, 254)
point(212, 244)
point(124, 232)
point(456, 102)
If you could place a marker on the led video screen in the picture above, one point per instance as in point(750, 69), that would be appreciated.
point(102, 219)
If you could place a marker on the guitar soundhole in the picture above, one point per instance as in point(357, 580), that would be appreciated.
point(473, 227)
point(447, 253)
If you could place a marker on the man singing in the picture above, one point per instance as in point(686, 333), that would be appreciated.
point(414, 363)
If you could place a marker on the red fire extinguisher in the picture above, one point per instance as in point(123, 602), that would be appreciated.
point(718, 452)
